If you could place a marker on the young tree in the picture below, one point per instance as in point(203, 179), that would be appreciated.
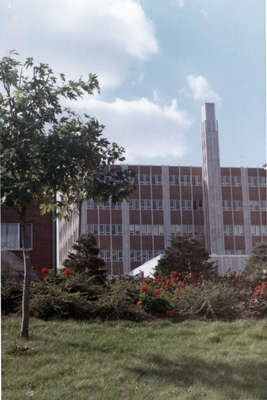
point(85, 259)
point(185, 254)
point(46, 148)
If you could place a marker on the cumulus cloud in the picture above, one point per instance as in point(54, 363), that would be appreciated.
point(103, 36)
point(148, 132)
point(200, 89)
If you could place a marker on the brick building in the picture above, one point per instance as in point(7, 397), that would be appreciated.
point(224, 207)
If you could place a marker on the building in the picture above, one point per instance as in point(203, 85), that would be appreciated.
point(224, 207)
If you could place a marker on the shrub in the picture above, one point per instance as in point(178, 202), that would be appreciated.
point(11, 295)
point(212, 301)
point(82, 284)
point(53, 302)
point(185, 254)
point(119, 301)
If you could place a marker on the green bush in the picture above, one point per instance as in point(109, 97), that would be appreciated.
point(80, 283)
point(53, 302)
point(156, 305)
point(211, 301)
point(119, 301)
point(11, 295)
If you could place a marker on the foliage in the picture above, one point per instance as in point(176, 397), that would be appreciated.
point(56, 303)
point(256, 267)
point(185, 254)
point(119, 301)
point(11, 295)
point(46, 148)
point(85, 259)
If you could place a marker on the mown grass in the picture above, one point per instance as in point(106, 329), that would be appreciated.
point(125, 360)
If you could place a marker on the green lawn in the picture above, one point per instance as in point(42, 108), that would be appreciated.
point(123, 360)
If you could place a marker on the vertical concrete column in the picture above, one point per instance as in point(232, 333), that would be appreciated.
point(211, 175)
point(125, 237)
point(246, 209)
point(166, 205)
point(84, 222)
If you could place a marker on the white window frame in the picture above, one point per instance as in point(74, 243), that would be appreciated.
point(18, 247)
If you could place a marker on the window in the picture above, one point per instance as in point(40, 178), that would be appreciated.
point(228, 230)
point(11, 236)
point(255, 230)
point(156, 179)
point(196, 180)
point(238, 230)
point(252, 181)
point(236, 180)
point(225, 180)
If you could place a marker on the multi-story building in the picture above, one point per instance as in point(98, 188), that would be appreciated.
point(224, 207)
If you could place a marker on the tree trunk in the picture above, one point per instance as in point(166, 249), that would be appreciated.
point(24, 332)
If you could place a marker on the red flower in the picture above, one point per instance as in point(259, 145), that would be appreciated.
point(143, 288)
point(67, 272)
point(44, 271)
point(173, 272)
point(169, 314)
point(138, 304)
point(156, 292)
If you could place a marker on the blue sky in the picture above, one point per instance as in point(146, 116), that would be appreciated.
point(157, 62)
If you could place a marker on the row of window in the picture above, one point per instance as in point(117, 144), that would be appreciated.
point(258, 205)
point(235, 180)
point(146, 204)
point(238, 230)
point(185, 180)
point(147, 179)
point(114, 255)
point(185, 204)
point(234, 230)
point(257, 181)
point(11, 238)
point(147, 230)
point(105, 229)
point(235, 205)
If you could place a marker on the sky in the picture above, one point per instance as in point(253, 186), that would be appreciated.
point(157, 62)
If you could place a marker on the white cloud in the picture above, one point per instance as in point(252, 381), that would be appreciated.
point(200, 89)
point(179, 3)
point(147, 131)
point(103, 36)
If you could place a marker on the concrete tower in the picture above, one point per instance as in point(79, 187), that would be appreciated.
point(211, 177)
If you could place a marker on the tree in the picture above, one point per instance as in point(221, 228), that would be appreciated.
point(185, 254)
point(47, 149)
point(256, 267)
point(85, 259)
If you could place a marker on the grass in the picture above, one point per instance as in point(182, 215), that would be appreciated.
point(123, 360)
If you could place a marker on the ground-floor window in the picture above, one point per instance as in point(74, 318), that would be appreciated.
point(11, 236)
